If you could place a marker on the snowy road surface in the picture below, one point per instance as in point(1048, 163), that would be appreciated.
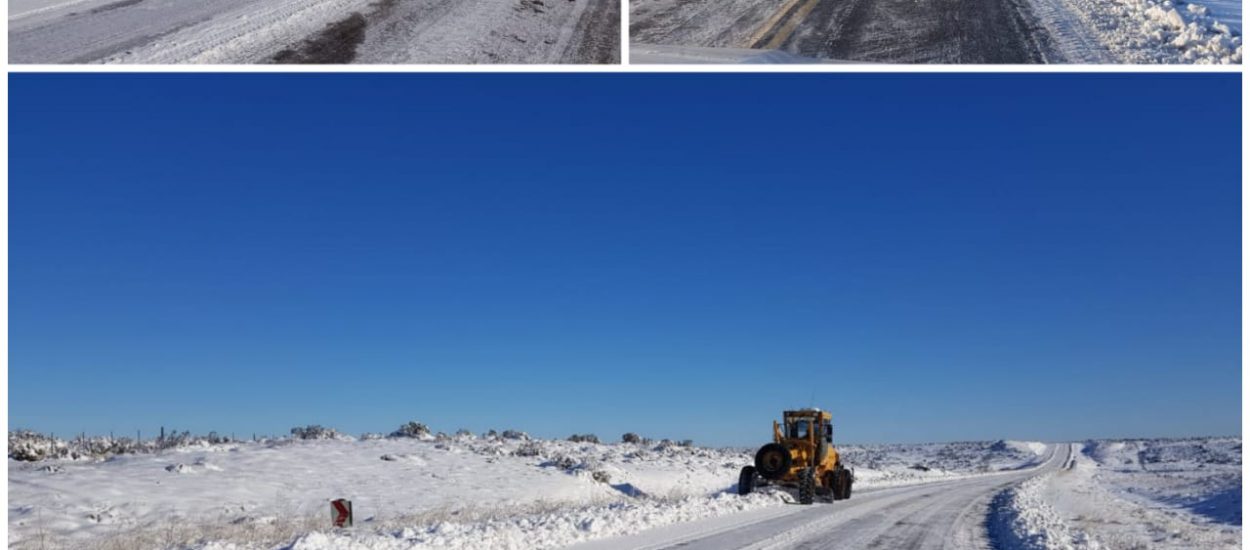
point(942, 515)
point(939, 31)
point(314, 31)
point(950, 31)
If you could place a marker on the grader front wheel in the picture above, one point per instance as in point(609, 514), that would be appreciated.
point(807, 486)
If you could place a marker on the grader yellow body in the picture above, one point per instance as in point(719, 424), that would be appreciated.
point(800, 457)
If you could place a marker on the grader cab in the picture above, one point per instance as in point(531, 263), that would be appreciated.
point(800, 457)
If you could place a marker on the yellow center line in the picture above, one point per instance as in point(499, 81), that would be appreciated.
point(772, 22)
point(786, 31)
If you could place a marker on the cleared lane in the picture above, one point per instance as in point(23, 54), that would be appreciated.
point(896, 31)
point(935, 516)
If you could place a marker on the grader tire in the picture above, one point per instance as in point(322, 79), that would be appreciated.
point(772, 461)
point(842, 484)
point(831, 486)
point(746, 480)
point(807, 486)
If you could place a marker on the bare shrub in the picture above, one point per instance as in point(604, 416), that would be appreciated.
point(529, 448)
point(412, 429)
point(514, 434)
point(316, 432)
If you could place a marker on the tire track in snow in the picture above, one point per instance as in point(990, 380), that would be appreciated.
point(891, 31)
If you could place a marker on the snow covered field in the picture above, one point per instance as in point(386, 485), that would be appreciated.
point(313, 31)
point(1157, 494)
point(441, 492)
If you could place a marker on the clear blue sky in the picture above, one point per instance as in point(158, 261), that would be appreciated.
point(939, 257)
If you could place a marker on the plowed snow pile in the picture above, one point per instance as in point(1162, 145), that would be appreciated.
point(1158, 494)
point(423, 492)
point(1145, 31)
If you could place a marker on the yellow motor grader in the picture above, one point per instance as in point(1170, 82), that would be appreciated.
point(801, 456)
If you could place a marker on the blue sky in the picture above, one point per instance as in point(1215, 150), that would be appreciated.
point(932, 257)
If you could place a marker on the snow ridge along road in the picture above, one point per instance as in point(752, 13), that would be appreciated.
point(948, 515)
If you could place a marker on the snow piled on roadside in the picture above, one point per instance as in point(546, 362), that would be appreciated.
point(248, 34)
point(1162, 31)
point(1037, 522)
point(545, 530)
point(1122, 494)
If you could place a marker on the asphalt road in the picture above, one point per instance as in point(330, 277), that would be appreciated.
point(934, 516)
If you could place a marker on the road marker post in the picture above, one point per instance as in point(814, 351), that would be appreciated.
point(341, 512)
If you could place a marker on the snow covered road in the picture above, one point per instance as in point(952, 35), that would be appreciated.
point(313, 31)
point(948, 31)
point(896, 31)
point(940, 515)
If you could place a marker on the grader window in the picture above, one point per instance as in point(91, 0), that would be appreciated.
point(802, 428)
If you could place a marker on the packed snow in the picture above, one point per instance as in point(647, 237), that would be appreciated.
point(1159, 494)
point(313, 31)
point(417, 490)
point(164, 31)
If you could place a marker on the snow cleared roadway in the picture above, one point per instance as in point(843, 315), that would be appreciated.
point(946, 31)
point(895, 31)
point(932, 516)
point(313, 31)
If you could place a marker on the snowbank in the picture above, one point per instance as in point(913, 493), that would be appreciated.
point(1124, 494)
point(1146, 31)
point(551, 529)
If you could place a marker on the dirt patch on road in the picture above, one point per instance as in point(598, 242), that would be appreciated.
point(337, 43)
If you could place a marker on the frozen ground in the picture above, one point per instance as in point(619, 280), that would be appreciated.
point(451, 492)
point(942, 31)
point(313, 31)
point(1157, 494)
